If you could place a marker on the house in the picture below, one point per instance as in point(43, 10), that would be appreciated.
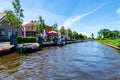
point(6, 30)
point(31, 28)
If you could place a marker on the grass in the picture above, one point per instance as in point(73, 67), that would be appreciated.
point(115, 42)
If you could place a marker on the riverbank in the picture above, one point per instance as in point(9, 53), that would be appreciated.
point(45, 44)
point(115, 43)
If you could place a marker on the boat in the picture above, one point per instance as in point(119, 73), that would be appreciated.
point(28, 47)
point(5, 49)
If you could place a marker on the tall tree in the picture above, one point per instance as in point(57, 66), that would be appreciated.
point(15, 17)
point(10, 17)
point(115, 33)
point(85, 37)
point(69, 32)
point(75, 34)
point(104, 33)
point(92, 36)
point(62, 30)
point(55, 27)
point(41, 25)
point(17, 10)
point(81, 36)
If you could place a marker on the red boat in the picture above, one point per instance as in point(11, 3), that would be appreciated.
point(5, 49)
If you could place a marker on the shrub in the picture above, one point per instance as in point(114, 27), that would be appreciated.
point(26, 39)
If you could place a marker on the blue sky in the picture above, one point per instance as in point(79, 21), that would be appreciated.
point(84, 16)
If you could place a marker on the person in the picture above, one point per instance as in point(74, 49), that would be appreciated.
point(65, 39)
point(13, 40)
point(40, 39)
point(55, 40)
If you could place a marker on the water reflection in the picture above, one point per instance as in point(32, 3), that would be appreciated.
point(80, 61)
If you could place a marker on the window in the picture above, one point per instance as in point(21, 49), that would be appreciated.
point(2, 31)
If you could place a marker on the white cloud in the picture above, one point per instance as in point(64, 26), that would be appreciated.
point(71, 21)
point(118, 11)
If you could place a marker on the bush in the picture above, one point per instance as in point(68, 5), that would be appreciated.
point(26, 39)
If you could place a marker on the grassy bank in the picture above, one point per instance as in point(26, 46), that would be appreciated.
point(115, 42)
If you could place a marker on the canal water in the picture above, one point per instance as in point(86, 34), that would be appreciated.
point(79, 61)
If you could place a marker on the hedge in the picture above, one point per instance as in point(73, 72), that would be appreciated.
point(26, 39)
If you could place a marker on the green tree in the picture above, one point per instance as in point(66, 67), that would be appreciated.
point(100, 34)
point(104, 33)
point(85, 37)
point(10, 17)
point(55, 27)
point(92, 36)
point(75, 35)
point(41, 25)
point(69, 32)
point(81, 36)
point(15, 17)
point(62, 30)
point(115, 33)
point(17, 10)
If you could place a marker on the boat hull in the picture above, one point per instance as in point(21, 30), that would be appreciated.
point(28, 48)
point(5, 49)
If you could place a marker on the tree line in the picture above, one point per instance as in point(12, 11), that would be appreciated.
point(106, 33)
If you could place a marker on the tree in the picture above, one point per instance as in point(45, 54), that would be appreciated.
point(92, 36)
point(10, 17)
point(85, 37)
point(81, 36)
point(100, 34)
point(41, 25)
point(115, 33)
point(15, 17)
point(55, 27)
point(62, 30)
point(69, 32)
point(104, 33)
point(75, 34)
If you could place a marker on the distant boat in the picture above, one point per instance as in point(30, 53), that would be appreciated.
point(28, 47)
point(5, 49)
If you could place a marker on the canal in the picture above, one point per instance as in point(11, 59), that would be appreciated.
point(79, 61)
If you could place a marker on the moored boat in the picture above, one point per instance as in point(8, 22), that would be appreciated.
point(28, 47)
point(5, 49)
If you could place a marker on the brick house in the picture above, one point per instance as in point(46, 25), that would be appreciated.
point(31, 28)
point(6, 30)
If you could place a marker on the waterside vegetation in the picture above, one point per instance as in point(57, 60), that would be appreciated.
point(109, 37)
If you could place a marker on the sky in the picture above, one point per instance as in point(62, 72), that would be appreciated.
point(83, 16)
